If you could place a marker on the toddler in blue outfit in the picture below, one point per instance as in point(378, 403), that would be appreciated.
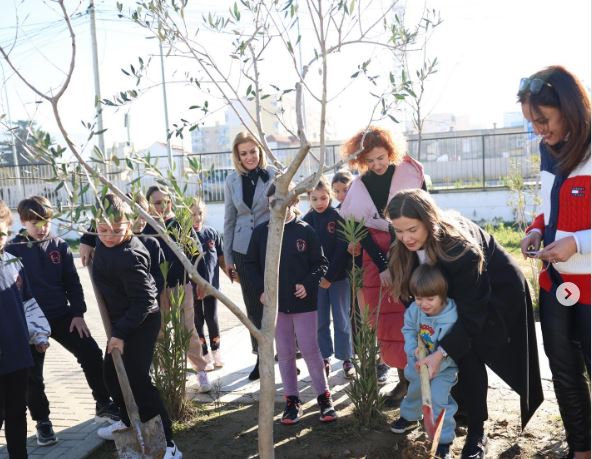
point(429, 317)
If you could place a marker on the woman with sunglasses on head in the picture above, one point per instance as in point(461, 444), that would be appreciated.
point(558, 107)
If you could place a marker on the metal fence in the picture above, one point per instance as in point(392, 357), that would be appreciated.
point(479, 161)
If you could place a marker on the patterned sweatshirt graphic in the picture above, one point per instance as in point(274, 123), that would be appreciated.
point(431, 329)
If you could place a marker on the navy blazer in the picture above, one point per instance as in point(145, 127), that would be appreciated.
point(239, 220)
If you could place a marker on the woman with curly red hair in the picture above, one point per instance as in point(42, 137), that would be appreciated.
point(385, 169)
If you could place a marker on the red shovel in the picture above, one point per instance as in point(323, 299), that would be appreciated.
point(433, 429)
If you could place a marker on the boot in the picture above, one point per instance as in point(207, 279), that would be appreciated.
point(395, 397)
point(254, 375)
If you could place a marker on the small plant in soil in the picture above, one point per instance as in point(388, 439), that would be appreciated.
point(170, 356)
point(363, 391)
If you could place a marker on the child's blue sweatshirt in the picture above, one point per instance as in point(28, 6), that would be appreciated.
point(431, 329)
point(50, 268)
point(326, 224)
point(301, 262)
point(21, 320)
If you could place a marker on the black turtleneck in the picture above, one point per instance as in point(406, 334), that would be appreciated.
point(378, 187)
point(250, 183)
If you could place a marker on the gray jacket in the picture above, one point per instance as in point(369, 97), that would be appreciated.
point(239, 220)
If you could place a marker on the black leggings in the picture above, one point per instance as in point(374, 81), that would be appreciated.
point(206, 311)
point(471, 390)
point(566, 338)
point(13, 410)
point(250, 296)
point(137, 358)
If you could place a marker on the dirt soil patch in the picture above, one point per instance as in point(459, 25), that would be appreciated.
point(230, 431)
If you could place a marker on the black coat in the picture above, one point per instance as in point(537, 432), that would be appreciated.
point(495, 318)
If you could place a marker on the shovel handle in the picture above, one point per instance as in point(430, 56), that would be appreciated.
point(424, 375)
point(126, 390)
point(128, 397)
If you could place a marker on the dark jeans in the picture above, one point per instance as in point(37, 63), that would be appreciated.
point(471, 390)
point(250, 296)
point(566, 338)
point(13, 410)
point(137, 358)
point(206, 311)
point(89, 356)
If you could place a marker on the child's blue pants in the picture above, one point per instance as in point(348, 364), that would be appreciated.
point(441, 399)
point(336, 301)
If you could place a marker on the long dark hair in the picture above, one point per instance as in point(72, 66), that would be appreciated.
point(567, 94)
point(449, 237)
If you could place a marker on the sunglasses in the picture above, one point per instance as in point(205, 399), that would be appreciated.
point(532, 85)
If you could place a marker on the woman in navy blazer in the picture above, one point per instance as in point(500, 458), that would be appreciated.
point(245, 207)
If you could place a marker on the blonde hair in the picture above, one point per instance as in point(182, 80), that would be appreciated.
point(197, 201)
point(447, 233)
point(243, 137)
point(5, 214)
point(113, 209)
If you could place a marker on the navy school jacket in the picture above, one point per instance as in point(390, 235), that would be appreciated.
point(301, 262)
point(153, 246)
point(176, 274)
point(122, 275)
point(21, 320)
point(211, 245)
point(326, 225)
point(50, 268)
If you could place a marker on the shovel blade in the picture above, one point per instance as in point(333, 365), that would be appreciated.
point(437, 432)
point(428, 420)
point(144, 441)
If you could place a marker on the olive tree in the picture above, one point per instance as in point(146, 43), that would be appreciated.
point(255, 32)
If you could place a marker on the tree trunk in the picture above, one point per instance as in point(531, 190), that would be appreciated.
point(266, 357)
point(266, 398)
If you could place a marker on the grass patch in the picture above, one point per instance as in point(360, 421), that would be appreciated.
point(507, 235)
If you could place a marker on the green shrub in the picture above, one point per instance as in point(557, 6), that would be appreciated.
point(170, 356)
point(363, 391)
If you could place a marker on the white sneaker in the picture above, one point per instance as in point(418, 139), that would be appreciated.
point(172, 452)
point(209, 367)
point(204, 382)
point(106, 433)
point(217, 355)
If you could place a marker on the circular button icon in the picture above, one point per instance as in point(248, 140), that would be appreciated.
point(568, 294)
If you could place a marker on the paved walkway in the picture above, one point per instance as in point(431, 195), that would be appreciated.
point(71, 403)
point(72, 406)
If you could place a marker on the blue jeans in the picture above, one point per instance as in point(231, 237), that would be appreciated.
point(336, 300)
point(441, 386)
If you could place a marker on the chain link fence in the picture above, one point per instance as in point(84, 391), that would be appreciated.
point(455, 162)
